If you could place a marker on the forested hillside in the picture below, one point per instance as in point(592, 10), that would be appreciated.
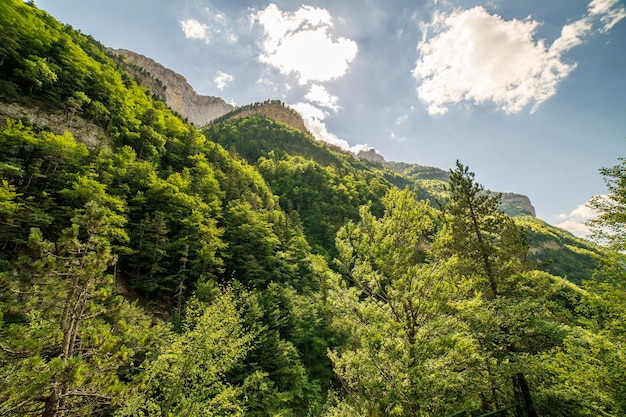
point(248, 270)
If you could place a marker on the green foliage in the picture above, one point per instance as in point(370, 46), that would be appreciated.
point(402, 328)
point(65, 349)
point(237, 311)
point(323, 186)
point(559, 252)
point(609, 225)
point(189, 374)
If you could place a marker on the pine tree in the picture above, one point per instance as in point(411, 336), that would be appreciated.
point(61, 349)
point(485, 247)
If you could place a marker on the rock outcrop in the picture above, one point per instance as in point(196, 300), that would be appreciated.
point(272, 109)
point(371, 155)
point(517, 205)
point(173, 88)
point(58, 123)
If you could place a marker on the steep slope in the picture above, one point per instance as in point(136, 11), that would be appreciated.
point(272, 109)
point(172, 88)
point(153, 211)
point(326, 186)
point(179, 95)
point(322, 186)
point(150, 271)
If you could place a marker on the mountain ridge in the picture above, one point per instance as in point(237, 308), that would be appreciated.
point(177, 93)
point(171, 87)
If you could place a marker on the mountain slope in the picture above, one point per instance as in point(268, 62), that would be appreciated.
point(172, 88)
point(151, 269)
point(153, 211)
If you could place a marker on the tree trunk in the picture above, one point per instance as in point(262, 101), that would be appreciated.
point(51, 408)
point(526, 407)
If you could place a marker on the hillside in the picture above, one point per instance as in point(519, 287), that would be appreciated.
point(246, 269)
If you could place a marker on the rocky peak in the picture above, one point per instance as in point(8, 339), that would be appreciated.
point(172, 88)
point(272, 109)
point(517, 205)
point(371, 155)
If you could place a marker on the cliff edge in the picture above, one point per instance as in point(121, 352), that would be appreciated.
point(172, 88)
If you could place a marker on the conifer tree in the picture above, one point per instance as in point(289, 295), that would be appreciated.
point(484, 246)
point(61, 352)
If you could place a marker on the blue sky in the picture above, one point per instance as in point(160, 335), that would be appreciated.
point(530, 94)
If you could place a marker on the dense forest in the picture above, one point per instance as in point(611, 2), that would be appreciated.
point(246, 269)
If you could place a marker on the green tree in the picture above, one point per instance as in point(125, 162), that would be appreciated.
point(610, 224)
point(63, 349)
point(36, 72)
point(484, 248)
point(189, 376)
point(407, 354)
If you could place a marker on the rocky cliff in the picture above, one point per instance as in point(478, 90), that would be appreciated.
point(517, 205)
point(371, 155)
point(58, 123)
point(173, 88)
point(272, 109)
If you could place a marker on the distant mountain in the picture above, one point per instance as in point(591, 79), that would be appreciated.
point(172, 88)
point(431, 177)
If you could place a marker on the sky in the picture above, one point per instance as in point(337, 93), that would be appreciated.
point(530, 94)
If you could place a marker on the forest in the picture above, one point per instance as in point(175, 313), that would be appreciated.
point(246, 269)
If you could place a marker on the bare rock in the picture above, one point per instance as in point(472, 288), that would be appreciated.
point(517, 205)
point(173, 88)
point(83, 131)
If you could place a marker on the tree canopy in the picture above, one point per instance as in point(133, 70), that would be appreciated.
point(248, 269)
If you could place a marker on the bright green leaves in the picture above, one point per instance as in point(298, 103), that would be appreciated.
point(402, 329)
point(190, 374)
point(36, 72)
point(61, 346)
point(478, 239)
point(609, 226)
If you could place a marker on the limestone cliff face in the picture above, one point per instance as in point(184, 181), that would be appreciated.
point(371, 155)
point(517, 205)
point(173, 88)
point(272, 109)
point(83, 131)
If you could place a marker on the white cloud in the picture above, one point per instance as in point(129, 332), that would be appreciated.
point(302, 43)
point(584, 212)
point(403, 118)
point(222, 79)
point(217, 27)
point(314, 120)
point(609, 11)
point(472, 56)
point(574, 222)
point(193, 29)
point(318, 94)
point(575, 227)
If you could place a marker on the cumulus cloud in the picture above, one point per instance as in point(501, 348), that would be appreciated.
point(302, 43)
point(574, 222)
point(472, 56)
point(193, 29)
point(319, 95)
point(222, 79)
point(217, 26)
point(314, 120)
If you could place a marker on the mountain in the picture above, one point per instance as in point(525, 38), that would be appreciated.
point(148, 267)
point(201, 110)
point(172, 88)
point(271, 109)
